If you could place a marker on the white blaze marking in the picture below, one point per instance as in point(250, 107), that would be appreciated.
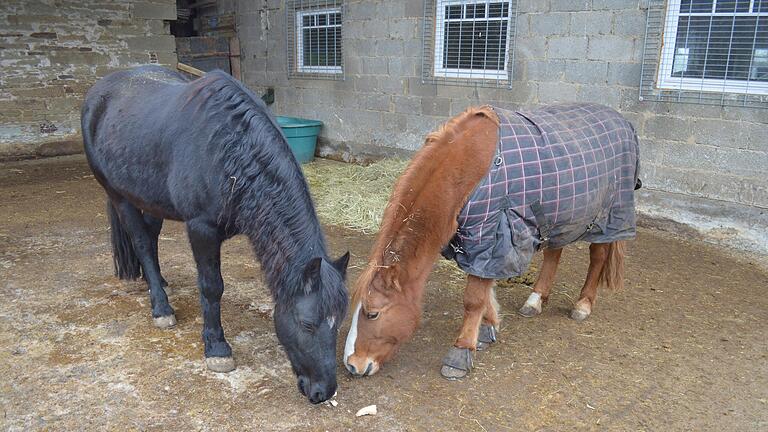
point(331, 321)
point(349, 346)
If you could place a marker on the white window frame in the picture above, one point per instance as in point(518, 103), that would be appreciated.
point(300, 67)
point(665, 79)
point(490, 74)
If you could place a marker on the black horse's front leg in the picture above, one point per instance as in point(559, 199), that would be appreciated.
point(206, 247)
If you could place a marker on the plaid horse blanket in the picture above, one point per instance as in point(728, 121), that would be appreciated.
point(561, 174)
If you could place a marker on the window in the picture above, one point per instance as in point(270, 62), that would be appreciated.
point(471, 41)
point(715, 46)
point(315, 39)
point(319, 41)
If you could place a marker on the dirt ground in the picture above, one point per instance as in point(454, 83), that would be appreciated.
point(683, 347)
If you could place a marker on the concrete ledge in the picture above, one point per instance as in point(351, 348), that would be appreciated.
point(61, 148)
point(358, 153)
point(733, 225)
point(58, 146)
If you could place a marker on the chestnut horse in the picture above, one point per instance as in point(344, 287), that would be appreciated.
point(425, 210)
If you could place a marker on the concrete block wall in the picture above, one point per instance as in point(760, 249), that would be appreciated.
point(565, 50)
point(52, 52)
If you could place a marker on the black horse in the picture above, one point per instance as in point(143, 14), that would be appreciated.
point(209, 153)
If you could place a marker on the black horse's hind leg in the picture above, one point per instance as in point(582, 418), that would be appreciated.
point(206, 247)
point(154, 226)
point(146, 251)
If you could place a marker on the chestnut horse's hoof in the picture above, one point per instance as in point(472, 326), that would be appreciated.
point(581, 309)
point(220, 364)
point(486, 337)
point(579, 314)
point(528, 311)
point(165, 322)
point(456, 364)
point(532, 306)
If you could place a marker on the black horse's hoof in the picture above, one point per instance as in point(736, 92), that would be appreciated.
point(165, 322)
point(220, 364)
point(456, 364)
point(486, 337)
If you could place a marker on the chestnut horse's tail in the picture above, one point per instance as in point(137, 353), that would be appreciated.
point(126, 261)
point(612, 276)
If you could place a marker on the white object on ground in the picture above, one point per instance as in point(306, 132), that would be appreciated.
point(369, 410)
point(332, 401)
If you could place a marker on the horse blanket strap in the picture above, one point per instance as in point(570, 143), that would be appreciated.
point(541, 221)
point(561, 173)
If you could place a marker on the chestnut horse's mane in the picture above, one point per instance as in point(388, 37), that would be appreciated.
point(420, 217)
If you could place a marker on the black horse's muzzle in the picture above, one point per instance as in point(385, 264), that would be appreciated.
point(318, 391)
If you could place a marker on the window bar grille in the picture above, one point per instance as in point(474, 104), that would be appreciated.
point(707, 52)
point(752, 58)
point(706, 55)
point(469, 42)
point(687, 33)
point(315, 39)
point(730, 48)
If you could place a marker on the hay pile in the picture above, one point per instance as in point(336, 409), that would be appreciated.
point(352, 196)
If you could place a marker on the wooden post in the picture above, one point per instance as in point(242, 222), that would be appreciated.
point(234, 57)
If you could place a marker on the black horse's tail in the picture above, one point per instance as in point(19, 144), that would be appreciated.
point(127, 264)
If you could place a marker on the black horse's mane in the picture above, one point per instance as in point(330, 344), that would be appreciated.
point(265, 194)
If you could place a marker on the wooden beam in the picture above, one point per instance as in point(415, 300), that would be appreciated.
point(189, 69)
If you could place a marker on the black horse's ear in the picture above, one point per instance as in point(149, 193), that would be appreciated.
point(341, 264)
point(312, 270)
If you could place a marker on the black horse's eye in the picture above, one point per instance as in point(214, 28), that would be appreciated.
point(308, 326)
point(372, 315)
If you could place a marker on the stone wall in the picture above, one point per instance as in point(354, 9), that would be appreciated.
point(51, 52)
point(565, 50)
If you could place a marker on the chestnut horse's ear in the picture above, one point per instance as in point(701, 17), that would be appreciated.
point(341, 264)
point(312, 270)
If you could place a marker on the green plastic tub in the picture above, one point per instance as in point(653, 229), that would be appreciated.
point(302, 136)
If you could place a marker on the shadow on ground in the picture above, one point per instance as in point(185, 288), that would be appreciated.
point(683, 347)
